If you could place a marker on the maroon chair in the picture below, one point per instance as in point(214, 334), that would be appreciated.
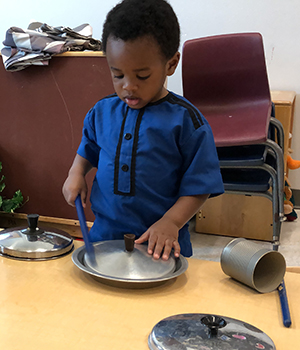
point(225, 77)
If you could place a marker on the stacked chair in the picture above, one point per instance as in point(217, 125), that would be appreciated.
point(225, 77)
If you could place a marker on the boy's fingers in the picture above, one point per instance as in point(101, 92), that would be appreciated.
point(83, 196)
point(160, 245)
point(143, 238)
point(176, 247)
point(167, 250)
point(152, 243)
point(168, 247)
point(83, 203)
point(155, 246)
point(71, 200)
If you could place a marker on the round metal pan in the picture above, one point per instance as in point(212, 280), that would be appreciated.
point(78, 258)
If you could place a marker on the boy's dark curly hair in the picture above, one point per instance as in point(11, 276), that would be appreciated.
point(132, 19)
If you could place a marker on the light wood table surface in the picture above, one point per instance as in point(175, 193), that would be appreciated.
point(54, 305)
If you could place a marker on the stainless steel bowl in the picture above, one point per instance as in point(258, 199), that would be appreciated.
point(81, 260)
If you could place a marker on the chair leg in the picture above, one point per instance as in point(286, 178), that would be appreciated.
point(280, 132)
point(280, 174)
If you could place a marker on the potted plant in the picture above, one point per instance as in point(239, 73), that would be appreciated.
point(8, 205)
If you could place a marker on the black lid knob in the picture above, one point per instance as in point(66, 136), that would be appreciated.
point(129, 239)
point(213, 323)
point(32, 230)
point(32, 220)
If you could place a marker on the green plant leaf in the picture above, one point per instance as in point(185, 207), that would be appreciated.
point(2, 184)
point(9, 205)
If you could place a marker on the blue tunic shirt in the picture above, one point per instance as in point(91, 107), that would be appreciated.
point(146, 158)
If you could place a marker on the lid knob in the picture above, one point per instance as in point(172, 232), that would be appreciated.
point(129, 239)
point(32, 220)
point(213, 323)
point(32, 231)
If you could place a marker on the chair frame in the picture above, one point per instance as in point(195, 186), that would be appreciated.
point(270, 145)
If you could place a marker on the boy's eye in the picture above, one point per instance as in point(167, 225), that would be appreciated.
point(119, 76)
point(143, 78)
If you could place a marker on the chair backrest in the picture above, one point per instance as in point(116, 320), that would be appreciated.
point(225, 77)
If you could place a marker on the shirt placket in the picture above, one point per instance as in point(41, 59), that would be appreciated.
point(125, 175)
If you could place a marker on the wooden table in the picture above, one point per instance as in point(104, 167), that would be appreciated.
point(54, 305)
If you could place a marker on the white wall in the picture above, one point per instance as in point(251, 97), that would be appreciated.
point(277, 20)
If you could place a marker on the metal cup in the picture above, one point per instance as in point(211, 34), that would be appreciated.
point(248, 262)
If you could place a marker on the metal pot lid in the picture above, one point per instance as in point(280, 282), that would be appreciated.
point(209, 332)
point(79, 259)
point(114, 260)
point(34, 243)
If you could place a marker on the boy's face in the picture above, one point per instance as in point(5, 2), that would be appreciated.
point(139, 70)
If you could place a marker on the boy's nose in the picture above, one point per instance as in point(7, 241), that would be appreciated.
point(130, 85)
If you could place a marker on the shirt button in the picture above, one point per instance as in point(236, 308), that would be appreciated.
point(127, 136)
point(125, 167)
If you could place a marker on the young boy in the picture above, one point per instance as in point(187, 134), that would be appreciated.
point(154, 151)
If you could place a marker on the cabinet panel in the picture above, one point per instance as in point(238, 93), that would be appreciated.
point(284, 102)
point(42, 111)
point(236, 216)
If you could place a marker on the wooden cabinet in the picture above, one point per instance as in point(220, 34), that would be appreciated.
point(42, 111)
point(248, 216)
point(284, 111)
point(236, 216)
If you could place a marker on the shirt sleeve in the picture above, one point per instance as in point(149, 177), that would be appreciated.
point(201, 170)
point(88, 148)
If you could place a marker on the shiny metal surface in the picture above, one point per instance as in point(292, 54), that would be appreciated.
point(252, 264)
point(190, 331)
point(136, 275)
point(112, 259)
point(45, 243)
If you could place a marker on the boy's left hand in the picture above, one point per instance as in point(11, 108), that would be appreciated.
point(162, 236)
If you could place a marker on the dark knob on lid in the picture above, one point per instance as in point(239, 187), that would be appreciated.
point(213, 323)
point(129, 239)
point(32, 220)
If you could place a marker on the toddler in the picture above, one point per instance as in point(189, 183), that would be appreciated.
point(154, 151)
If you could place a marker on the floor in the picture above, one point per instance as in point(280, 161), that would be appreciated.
point(209, 247)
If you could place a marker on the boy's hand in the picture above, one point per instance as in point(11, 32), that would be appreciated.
point(162, 236)
point(75, 185)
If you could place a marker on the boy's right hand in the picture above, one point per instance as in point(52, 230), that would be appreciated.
point(75, 185)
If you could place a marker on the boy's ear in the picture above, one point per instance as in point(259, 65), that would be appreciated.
point(173, 63)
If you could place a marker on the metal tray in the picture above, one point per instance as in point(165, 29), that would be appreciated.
point(78, 258)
